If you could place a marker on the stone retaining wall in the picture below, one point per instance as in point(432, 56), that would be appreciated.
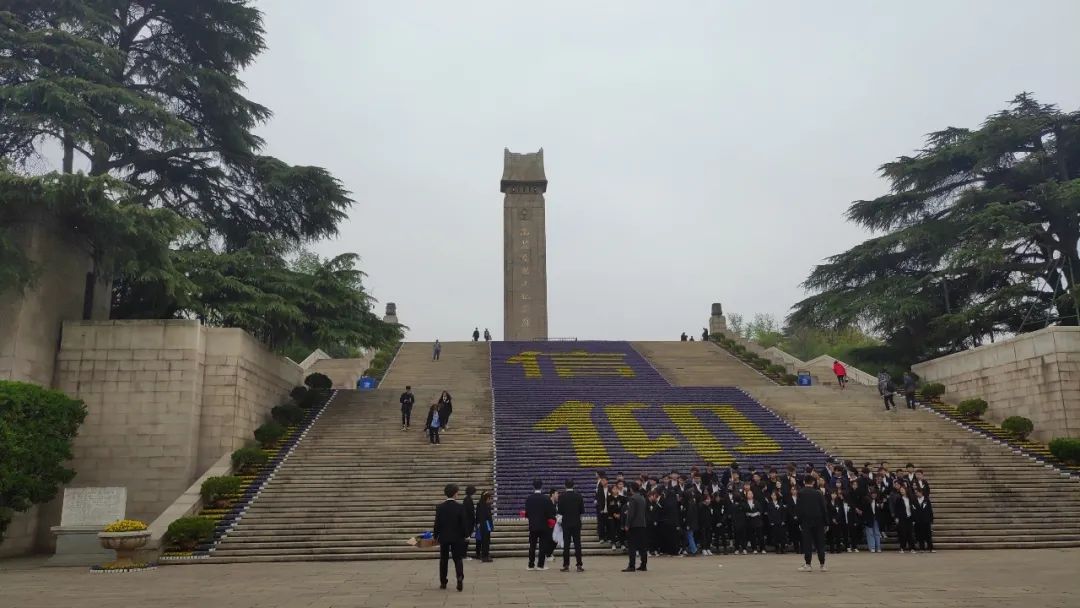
point(166, 399)
point(1036, 375)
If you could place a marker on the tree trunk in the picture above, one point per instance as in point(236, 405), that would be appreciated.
point(69, 154)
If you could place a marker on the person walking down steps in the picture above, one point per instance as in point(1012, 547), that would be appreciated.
point(446, 407)
point(487, 335)
point(407, 400)
point(432, 424)
point(435, 350)
point(476, 334)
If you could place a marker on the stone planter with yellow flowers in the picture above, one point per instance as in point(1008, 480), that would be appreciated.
point(125, 537)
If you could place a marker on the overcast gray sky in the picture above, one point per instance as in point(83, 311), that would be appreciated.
point(695, 151)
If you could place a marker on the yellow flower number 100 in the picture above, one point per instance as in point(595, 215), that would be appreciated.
point(576, 418)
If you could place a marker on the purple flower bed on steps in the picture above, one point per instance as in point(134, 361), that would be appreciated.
point(562, 415)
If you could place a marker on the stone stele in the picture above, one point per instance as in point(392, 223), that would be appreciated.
point(525, 315)
point(85, 512)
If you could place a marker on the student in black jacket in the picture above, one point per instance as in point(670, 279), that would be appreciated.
point(670, 521)
point(600, 502)
point(755, 514)
point(721, 520)
point(705, 524)
point(920, 483)
point(838, 524)
point(450, 532)
point(740, 524)
point(616, 505)
point(571, 506)
point(791, 509)
point(903, 514)
point(775, 513)
point(653, 515)
point(924, 521)
point(690, 520)
point(872, 513)
point(485, 524)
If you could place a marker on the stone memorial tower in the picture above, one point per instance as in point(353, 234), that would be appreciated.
point(524, 247)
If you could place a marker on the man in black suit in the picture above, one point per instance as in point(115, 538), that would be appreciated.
point(538, 510)
point(635, 524)
point(813, 519)
point(571, 506)
point(450, 532)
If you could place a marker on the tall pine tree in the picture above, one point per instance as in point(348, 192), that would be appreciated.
point(149, 91)
point(980, 238)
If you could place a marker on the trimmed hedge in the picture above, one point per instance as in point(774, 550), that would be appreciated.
point(318, 381)
point(269, 433)
point(933, 390)
point(776, 369)
point(1018, 425)
point(1066, 449)
point(188, 532)
point(216, 489)
point(288, 414)
point(248, 457)
point(298, 394)
point(973, 408)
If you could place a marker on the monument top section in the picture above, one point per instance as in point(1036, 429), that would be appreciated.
point(523, 173)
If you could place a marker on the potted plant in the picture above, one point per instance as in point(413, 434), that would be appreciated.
point(125, 537)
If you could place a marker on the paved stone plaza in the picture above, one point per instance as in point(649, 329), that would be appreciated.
point(1028, 578)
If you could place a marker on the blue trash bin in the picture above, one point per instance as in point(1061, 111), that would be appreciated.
point(365, 383)
point(805, 379)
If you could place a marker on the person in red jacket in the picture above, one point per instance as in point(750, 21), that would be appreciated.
point(841, 373)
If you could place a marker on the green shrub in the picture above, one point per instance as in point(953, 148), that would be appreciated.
point(738, 349)
point(1066, 449)
point(973, 408)
point(248, 458)
point(318, 381)
point(776, 369)
point(791, 379)
point(269, 433)
point(298, 394)
point(1018, 425)
point(36, 429)
point(188, 532)
point(288, 414)
point(216, 490)
point(933, 391)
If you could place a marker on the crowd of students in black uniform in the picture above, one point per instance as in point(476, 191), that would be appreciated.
point(752, 512)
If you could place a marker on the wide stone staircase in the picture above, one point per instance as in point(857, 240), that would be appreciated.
point(699, 364)
point(984, 494)
point(357, 487)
